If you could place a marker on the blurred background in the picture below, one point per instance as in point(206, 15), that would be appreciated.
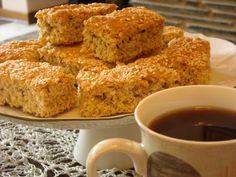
point(216, 18)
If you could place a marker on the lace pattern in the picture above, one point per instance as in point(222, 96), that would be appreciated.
point(39, 152)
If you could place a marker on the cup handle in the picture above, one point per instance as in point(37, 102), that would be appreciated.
point(131, 148)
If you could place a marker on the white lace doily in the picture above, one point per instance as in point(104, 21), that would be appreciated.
point(40, 152)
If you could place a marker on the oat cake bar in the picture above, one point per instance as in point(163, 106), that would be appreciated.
point(36, 87)
point(21, 49)
point(189, 56)
point(64, 24)
point(123, 35)
point(120, 89)
point(70, 58)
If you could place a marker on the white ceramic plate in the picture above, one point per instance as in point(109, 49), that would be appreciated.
point(223, 72)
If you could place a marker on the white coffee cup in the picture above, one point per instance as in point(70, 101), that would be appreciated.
point(159, 155)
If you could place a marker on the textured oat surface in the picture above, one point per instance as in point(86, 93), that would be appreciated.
point(122, 22)
point(22, 49)
point(190, 57)
point(170, 33)
point(64, 24)
point(70, 58)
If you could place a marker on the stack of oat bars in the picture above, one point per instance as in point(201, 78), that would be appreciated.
point(106, 60)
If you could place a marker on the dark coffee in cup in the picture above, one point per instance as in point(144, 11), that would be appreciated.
point(197, 124)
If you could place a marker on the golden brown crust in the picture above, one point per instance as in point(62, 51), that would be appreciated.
point(190, 57)
point(120, 76)
point(78, 9)
point(170, 33)
point(122, 22)
point(37, 87)
point(70, 58)
point(14, 50)
point(192, 52)
point(64, 24)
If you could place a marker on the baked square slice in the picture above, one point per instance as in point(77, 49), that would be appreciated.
point(120, 89)
point(70, 58)
point(14, 50)
point(190, 57)
point(64, 24)
point(36, 87)
point(123, 35)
